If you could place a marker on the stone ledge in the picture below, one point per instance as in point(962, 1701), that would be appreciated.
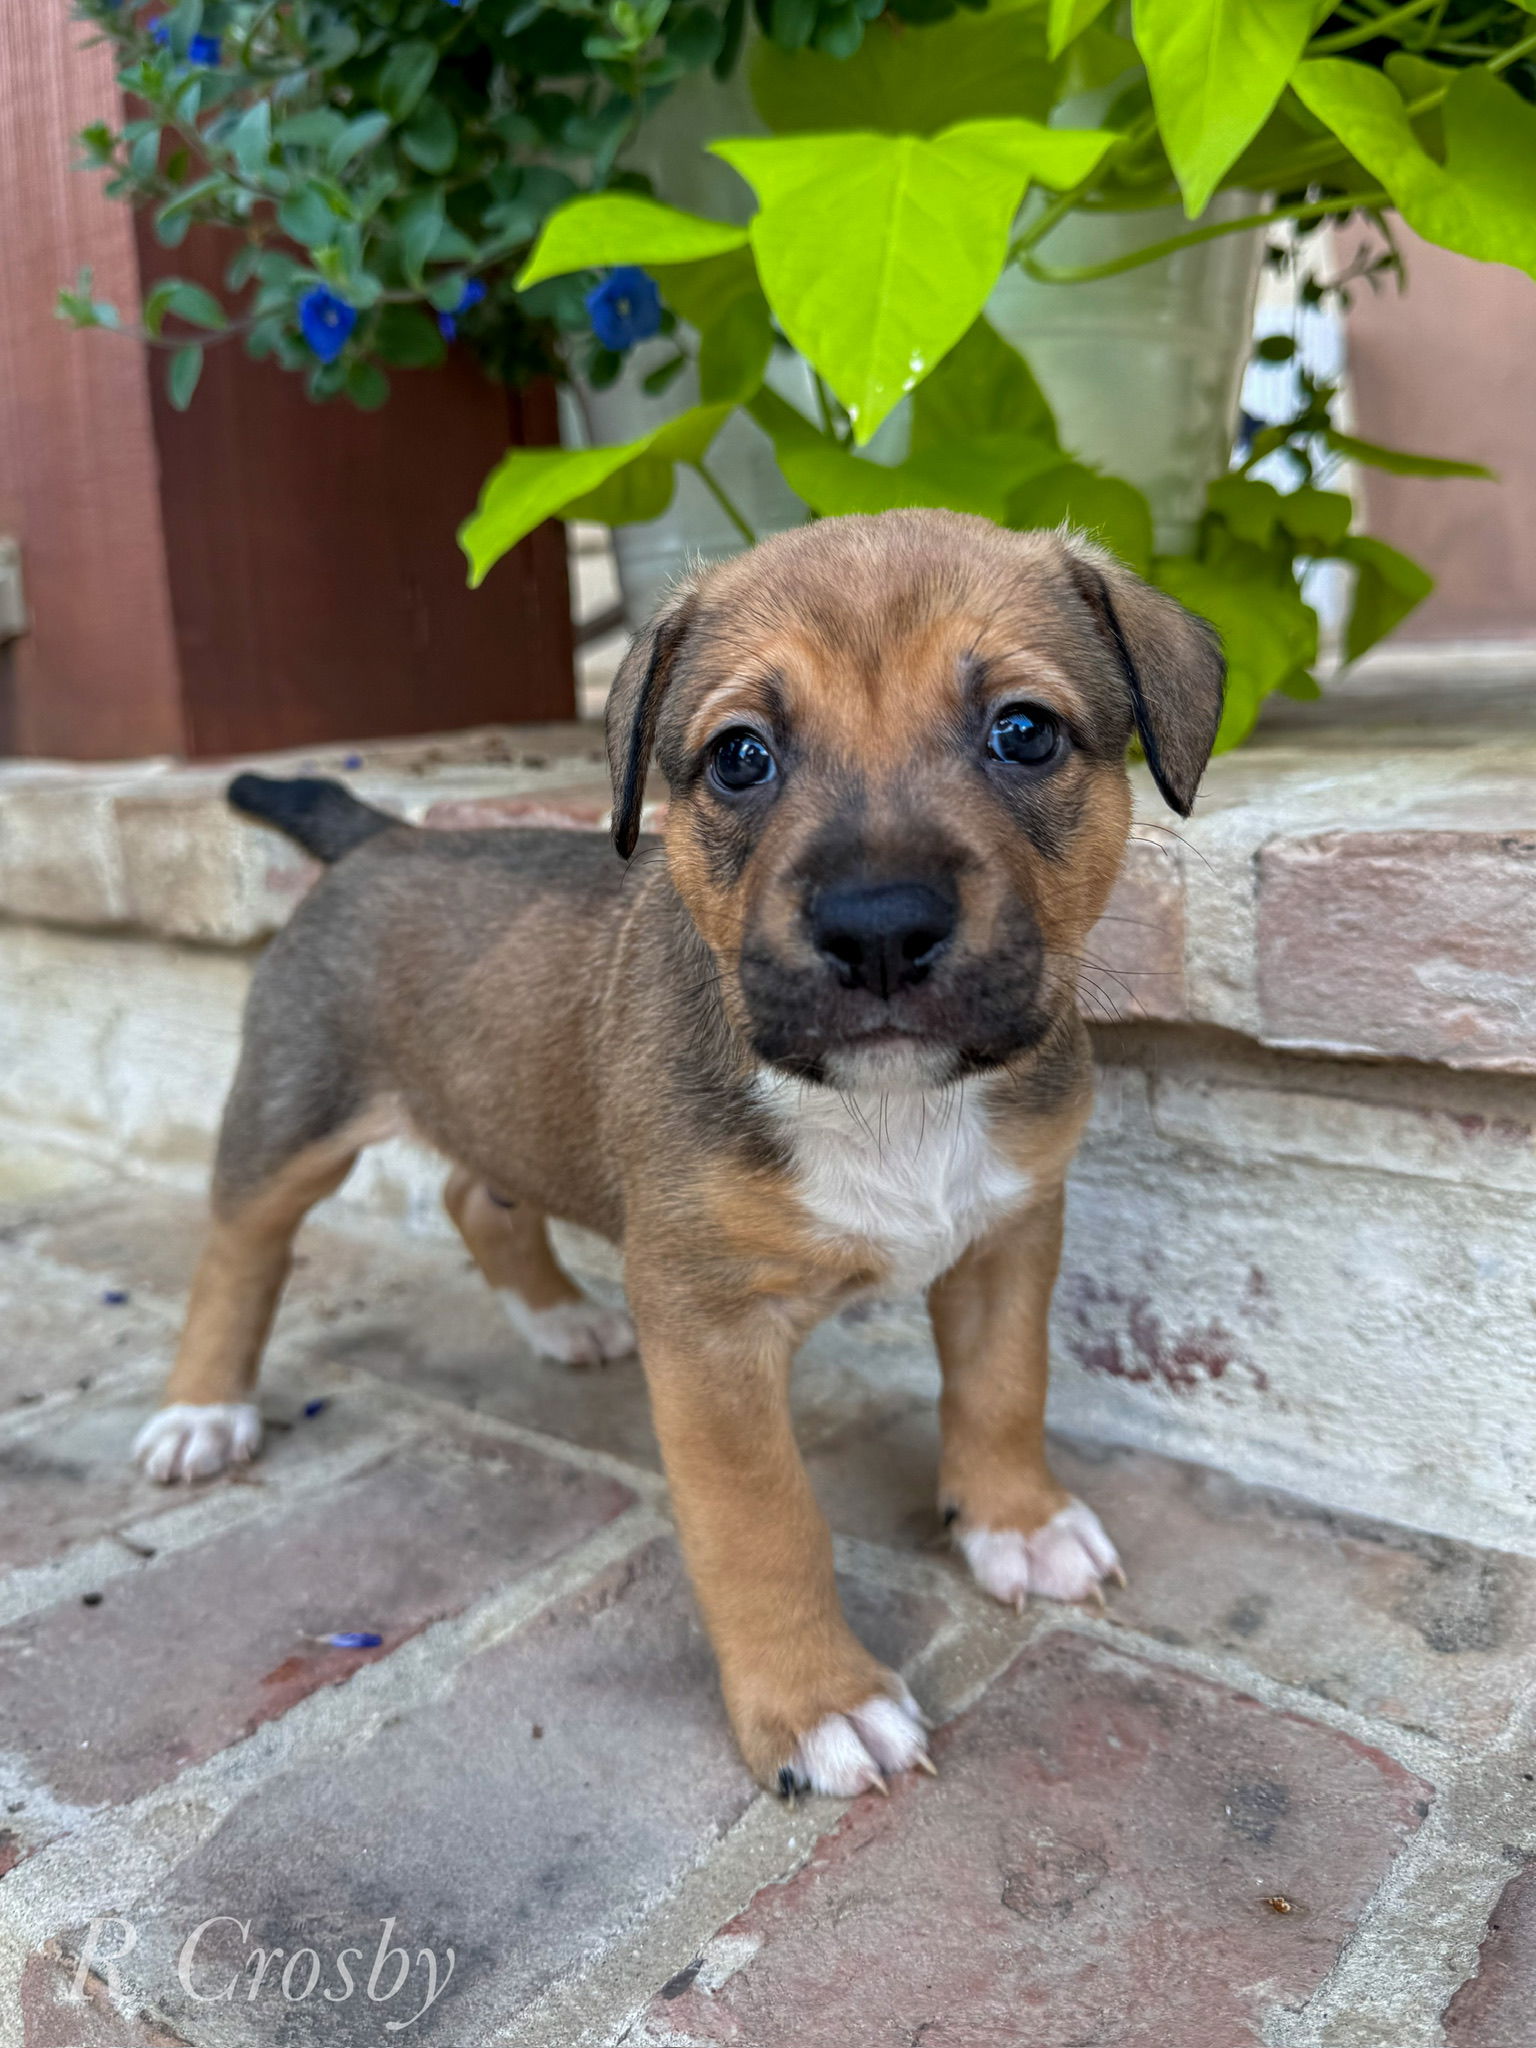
point(1362, 893)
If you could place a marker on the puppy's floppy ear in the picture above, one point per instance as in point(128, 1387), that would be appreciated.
point(1172, 663)
point(634, 704)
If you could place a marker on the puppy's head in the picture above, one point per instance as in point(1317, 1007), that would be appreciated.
point(896, 753)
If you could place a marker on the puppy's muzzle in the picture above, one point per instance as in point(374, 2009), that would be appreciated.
point(881, 937)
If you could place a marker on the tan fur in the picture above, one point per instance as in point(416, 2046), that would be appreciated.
point(587, 1041)
point(508, 1241)
point(243, 1265)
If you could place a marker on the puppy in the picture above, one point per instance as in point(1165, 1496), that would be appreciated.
point(818, 1043)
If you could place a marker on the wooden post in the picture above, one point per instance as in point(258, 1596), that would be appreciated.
point(257, 572)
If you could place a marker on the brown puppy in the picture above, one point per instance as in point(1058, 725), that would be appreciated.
point(822, 1043)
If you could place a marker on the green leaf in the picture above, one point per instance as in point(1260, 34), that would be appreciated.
point(1249, 506)
point(791, 22)
point(408, 338)
point(1216, 68)
point(1316, 521)
point(250, 140)
point(605, 228)
point(1387, 587)
point(187, 301)
point(182, 373)
point(878, 251)
point(961, 476)
point(983, 386)
point(702, 292)
point(912, 82)
point(1068, 19)
point(432, 140)
point(419, 224)
point(664, 376)
point(1106, 508)
point(834, 481)
point(1267, 629)
point(530, 485)
point(1478, 202)
point(734, 350)
point(640, 491)
point(317, 127)
point(306, 216)
point(357, 136)
point(1398, 461)
point(367, 386)
point(408, 71)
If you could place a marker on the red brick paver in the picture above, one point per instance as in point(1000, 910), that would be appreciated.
point(1497, 2007)
point(567, 1779)
point(1114, 1852)
point(199, 1647)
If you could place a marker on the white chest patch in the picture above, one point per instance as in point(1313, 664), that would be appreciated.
point(912, 1173)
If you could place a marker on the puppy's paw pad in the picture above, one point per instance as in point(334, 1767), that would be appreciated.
point(1066, 1560)
point(846, 1754)
point(574, 1332)
point(192, 1440)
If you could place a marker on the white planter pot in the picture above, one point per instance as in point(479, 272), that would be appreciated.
point(1143, 370)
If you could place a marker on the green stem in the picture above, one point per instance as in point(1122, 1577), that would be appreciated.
point(712, 485)
point(1514, 53)
point(1066, 202)
point(1380, 24)
point(824, 407)
point(1313, 209)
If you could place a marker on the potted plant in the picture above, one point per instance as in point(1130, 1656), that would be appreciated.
point(915, 174)
point(902, 181)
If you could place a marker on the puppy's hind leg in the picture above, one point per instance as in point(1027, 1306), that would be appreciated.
point(509, 1242)
point(262, 1192)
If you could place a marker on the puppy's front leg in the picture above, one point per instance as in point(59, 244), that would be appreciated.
point(810, 1706)
point(1020, 1530)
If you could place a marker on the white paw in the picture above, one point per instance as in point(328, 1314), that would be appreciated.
point(192, 1440)
point(856, 1752)
point(575, 1332)
point(1066, 1560)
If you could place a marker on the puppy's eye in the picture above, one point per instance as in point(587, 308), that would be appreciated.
point(739, 760)
point(1025, 736)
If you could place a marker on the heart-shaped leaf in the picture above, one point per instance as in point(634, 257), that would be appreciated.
point(1479, 201)
point(878, 251)
point(1216, 68)
point(605, 228)
point(530, 485)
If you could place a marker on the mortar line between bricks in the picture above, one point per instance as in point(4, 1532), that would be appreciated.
point(146, 1370)
point(1417, 1941)
point(1423, 1754)
point(599, 2007)
point(768, 1845)
point(397, 1394)
point(900, 1571)
point(201, 1519)
point(123, 1852)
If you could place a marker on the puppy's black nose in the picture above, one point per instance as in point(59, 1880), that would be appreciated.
point(881, 936)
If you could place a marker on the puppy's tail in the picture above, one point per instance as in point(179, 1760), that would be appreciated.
point(324, 818)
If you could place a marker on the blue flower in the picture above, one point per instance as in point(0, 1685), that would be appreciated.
point(624, 308)
point(472, 294)
point(326, 321)
point(201, 49)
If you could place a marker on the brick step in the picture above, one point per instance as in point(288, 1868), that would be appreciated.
point(1300, 1234)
